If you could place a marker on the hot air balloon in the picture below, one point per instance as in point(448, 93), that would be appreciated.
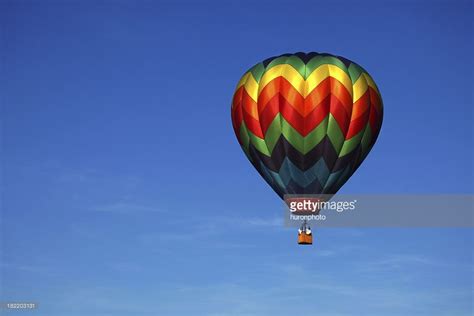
point(306, 121)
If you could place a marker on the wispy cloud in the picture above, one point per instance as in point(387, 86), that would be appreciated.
point(274, 222)
point(124, 208)
point(27, 268)
point(125, 267)
point(282, 298)
point(393, 262)
point(397, 261)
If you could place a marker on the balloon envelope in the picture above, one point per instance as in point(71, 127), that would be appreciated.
point(306, 121)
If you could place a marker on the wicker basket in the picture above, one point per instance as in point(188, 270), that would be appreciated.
point(304, 239)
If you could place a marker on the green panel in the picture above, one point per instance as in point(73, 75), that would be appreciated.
point(354, 72)
point(292, 136)
point(298, 64)
point(273, 133)
point(315, 136)
point(277, 61)
point(256, 141)
point(244, 137)
point(257, 71)
point(366, 139)
point(317, 61)
point(350, 144)
point(302, 144)
point(259, 144)
point(335, 134)
point(294, 61)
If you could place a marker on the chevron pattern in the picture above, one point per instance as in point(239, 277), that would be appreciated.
point(306, 121)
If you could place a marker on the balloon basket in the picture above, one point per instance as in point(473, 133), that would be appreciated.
point(304, 239)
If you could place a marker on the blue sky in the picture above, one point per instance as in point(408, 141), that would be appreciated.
point(126, 193)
